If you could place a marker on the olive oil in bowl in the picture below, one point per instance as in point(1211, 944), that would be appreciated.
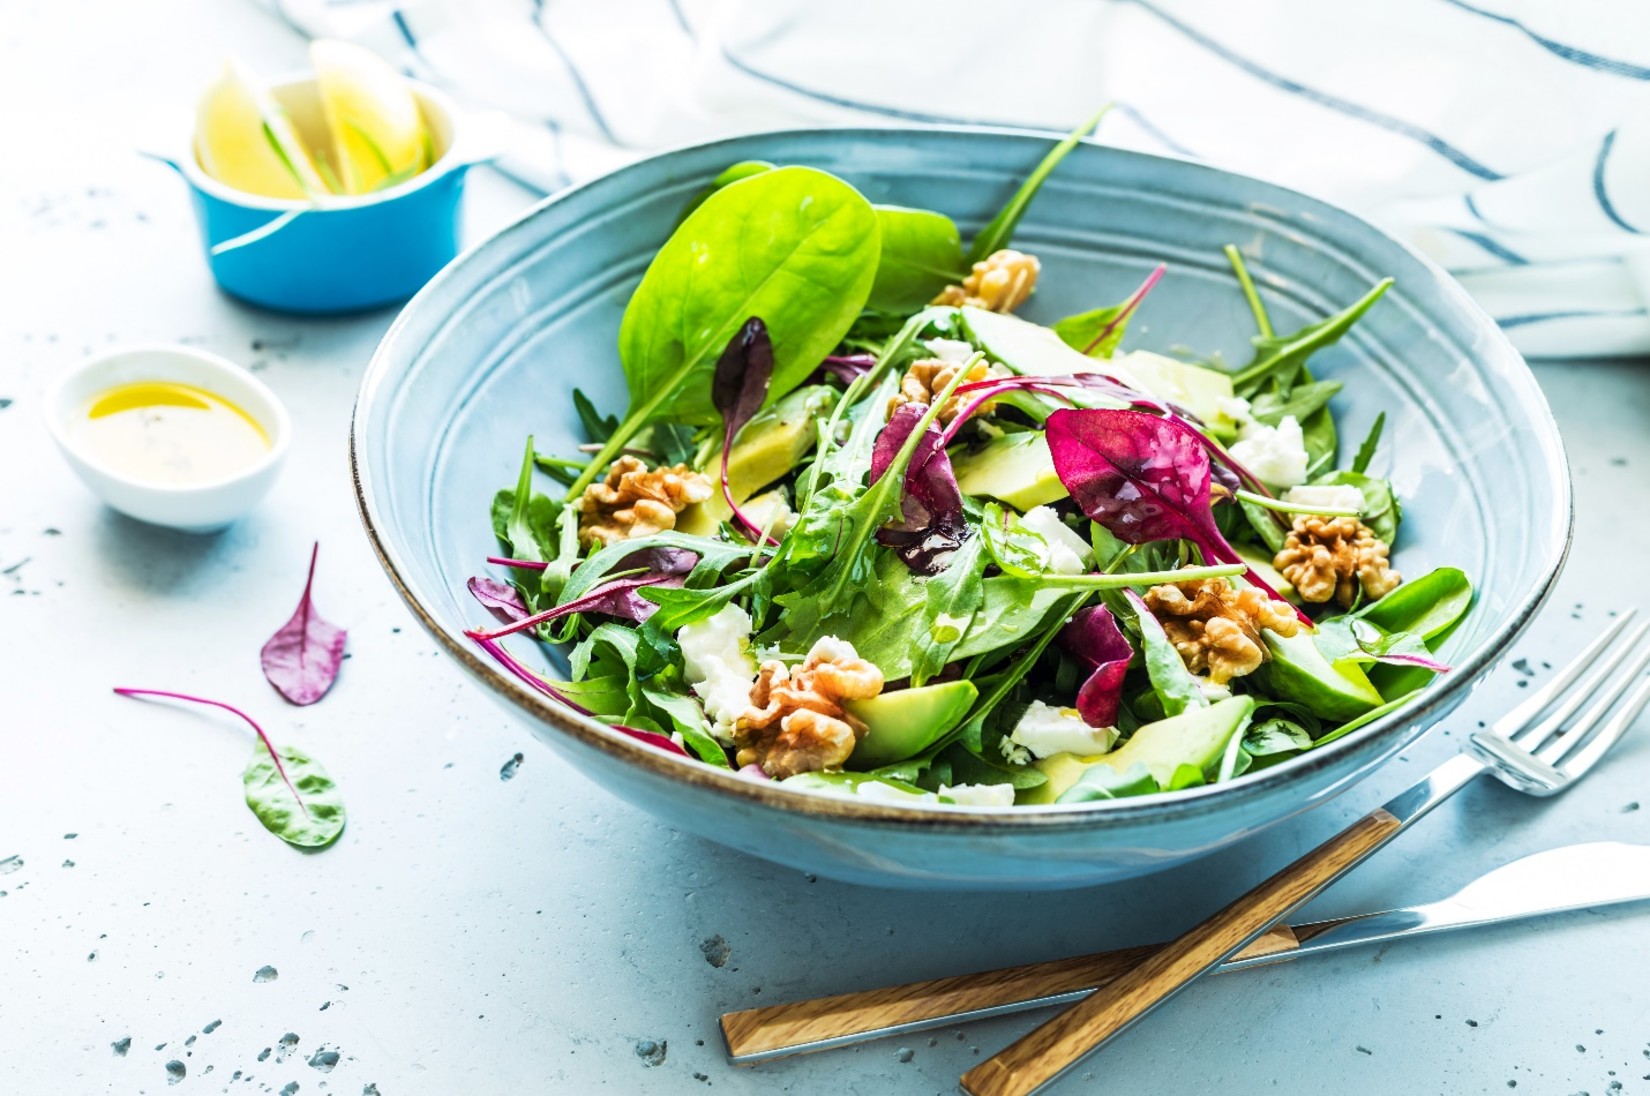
point(169, 434)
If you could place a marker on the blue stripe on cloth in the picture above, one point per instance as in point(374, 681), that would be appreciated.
point(1573, 54)
point(1529, 318)
point(923, 117)
point(1494, 247)
point(402, 25)
point(1600, 191)
point(559, 154)
point(576, 76)
point(681, 18)
point(1472, 207)
point(1332, 102)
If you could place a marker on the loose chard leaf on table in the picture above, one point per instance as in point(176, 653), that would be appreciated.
point(288, 791)
point(302, 659)
point(796, 246)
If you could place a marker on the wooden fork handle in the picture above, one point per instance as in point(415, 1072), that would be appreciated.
point(799, 1026)
point(1046, 1052)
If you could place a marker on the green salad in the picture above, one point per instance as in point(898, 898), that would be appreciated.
point(864, 531)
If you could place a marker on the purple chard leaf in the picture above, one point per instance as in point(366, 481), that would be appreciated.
point(500, 598)
point(737, 390)
point(932, 525)
point(1142, 477)
point(302, 659)
point(619, 598)
point(1094, 640)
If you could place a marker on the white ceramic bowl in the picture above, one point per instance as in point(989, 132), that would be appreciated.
point(194, 508)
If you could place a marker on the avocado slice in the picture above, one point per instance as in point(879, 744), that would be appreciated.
point(1196, 737)
point(1016, 468)
point(1200, 391)
point(1299, 671)
point(767, 449)
point(1260, 562)
point(905, 722)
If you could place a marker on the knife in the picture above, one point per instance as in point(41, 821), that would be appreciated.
point(1573, 877)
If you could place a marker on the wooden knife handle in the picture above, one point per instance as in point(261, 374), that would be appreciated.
point(1044, 1053)
point(793, 1026)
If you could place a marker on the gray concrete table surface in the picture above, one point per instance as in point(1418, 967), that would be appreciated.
point(488, 925)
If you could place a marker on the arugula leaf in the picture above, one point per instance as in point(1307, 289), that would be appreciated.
point(1303, 401)
point(1000, 231)
point(796, 246)
point(1098, 332)
point(597, 427)
point(688, 718)
point(1174, 685)
point(1281, 358)
point(954, 596)
point(921, 255)
point(1366, 451)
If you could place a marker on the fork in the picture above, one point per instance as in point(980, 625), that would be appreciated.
point(1535, 755)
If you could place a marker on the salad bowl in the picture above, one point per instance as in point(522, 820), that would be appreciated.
point(492, 349)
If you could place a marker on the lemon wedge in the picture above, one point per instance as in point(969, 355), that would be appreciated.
point(378, 136)
point(245, 140)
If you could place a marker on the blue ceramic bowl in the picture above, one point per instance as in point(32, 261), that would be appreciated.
point(351, 253)
point(491, 349)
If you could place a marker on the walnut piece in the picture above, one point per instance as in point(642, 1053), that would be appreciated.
point(1000, 282)
point(1216, 627)
point(931, 375)
point(796, 723)
point(636, 502)
point(1327, 558)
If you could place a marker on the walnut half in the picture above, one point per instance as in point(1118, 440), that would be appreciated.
point(796, 722)
point(931, 375)
point(1216, 627)
point(636, 502)
point(1000, 282)
point(1336, 558)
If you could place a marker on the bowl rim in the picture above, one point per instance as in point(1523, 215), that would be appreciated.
point(279, 426)
point(1159, 807)
point(453, 158)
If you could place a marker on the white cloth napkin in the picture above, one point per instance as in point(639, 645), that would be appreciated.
point(1507, 139)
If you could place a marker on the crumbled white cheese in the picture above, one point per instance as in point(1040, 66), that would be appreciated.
point(950, 350)
point(979, 795)
point(1044, 731)
point(1015, 755)
point(718, 665)
point(1211, 691)
point(1066, 553)
point(887, 793)
point(1235, 408)
point(1338, 496)
point(1276, 454)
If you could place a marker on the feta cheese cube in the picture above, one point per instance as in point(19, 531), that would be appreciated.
point(1066, 553)
point(1276, 454)
point(979, 795)
point(1338, 496)
point(718, 665)
point(1044, 731)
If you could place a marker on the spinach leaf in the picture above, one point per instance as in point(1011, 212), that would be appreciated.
point(967, 768)
point(1281, 358)
point(1426, 606)
point(1366, 451)
point(1104, 782)
point(294, 798)
point(794, 246)
point(744, 169)
point(1000, 231)
point(921, 255)
point(1174, 685)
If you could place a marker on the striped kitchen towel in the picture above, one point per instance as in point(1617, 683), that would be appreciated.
point(1505, 138)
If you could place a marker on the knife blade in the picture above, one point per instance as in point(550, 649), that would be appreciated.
point(1572, 877)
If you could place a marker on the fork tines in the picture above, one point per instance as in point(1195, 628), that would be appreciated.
point(1541, 751)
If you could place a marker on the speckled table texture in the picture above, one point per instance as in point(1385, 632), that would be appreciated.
point(491, 924)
